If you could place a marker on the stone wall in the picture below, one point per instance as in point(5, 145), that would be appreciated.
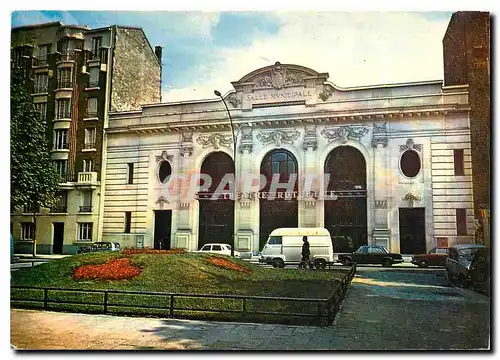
point(136, 75)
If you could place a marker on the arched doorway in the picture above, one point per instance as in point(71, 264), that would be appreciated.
point(347, 215)
point(216, 216)
point(278, 212)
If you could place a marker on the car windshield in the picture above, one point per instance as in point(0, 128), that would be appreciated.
point(228, 246)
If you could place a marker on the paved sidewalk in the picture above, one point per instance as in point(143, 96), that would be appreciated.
point(383, 310)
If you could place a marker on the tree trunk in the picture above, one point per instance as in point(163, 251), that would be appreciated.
point(34, 234)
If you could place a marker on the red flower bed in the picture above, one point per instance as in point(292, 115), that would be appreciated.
point(152, 251)
point(227, 264)
point(113, 270)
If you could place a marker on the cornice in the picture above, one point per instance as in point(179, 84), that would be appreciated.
point(319, 117)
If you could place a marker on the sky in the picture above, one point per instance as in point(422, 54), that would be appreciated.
point(203, 51)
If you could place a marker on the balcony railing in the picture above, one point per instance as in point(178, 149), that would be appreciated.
point(95, 55)
point(64, 146)
point(93, 84)
point(59, 209)
point(66, 178)
point(66, 55)
point(87, 177)
point(63, 115)
point(40, 89)
point(64, 84)
point(89, 145)
point(40, 61)
point(91, 114)
point(86, 208)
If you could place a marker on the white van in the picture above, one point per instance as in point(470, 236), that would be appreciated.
point(284, 246)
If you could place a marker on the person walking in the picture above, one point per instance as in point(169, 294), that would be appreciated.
point(306, 253)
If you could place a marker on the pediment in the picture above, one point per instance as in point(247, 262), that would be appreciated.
point(279, 76)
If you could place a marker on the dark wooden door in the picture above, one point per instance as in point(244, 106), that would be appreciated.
point(412, 230)
point(57, 247)
point(163, 225)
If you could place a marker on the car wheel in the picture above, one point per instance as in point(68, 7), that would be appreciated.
point(423, 264)
point(387, 263)
point(278, 263)
point(320, 264)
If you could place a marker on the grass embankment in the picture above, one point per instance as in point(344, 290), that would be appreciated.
point(176, 273)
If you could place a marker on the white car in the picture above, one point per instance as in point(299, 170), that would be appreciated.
point(222, 249)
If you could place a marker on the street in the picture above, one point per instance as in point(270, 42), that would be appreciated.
point(385, 308)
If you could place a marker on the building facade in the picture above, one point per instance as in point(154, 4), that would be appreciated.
point(466, 53)
point(388, 164)
point(76, 77)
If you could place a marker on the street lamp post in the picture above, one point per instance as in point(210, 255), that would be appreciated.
point(217, 93)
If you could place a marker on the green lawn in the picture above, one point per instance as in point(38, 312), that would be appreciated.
point(180, 273)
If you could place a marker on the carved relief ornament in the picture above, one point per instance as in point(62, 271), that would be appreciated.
point(343, 133)
point(215, 140)
point(278, 137)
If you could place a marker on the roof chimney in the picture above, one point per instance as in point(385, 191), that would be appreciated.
point(158, 53)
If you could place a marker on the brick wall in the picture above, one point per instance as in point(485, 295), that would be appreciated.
point(136, 74)
point(466, 48)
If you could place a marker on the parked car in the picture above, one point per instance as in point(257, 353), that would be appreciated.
point(284, 246)
point(479, 272)
point(222, 249)
point(342, 245)
point(458, 262)
point(371, 254)
point(435, 257)
point(99, 246)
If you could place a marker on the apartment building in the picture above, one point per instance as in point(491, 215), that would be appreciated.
point(466, 53)
point(78, 75)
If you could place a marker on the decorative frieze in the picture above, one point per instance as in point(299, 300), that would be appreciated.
point(233, 100)
point(343, 133)
point(279, 77)
point(186, 146)
point(215, 140)
point(164, 157)
point(379, 135)
point(246, 141)
point(310, 138)
point(380, 204)
point(410, 145)
point(327, 92)
point(278, 137)
point(162, 201)
point(245, 203)
point(411, 197)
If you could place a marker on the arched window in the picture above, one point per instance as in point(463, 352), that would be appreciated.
point(164, 172)
point(410, 163)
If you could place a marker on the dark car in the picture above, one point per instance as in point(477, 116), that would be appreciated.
point(435, 257)
point(371, 254)
point(99, 246)
point(479, 272)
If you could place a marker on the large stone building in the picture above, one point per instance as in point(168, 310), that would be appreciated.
point(77, 76)
point(466, 53)
point(398, 157)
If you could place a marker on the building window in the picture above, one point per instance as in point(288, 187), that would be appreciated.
point(461, 218)
point(94, 77)
point(96, 48)
point(61, 167)
point(62, 203)
point(66, 47)
point(27, 231)
point(88, 165)
point(128, 221)
point(92, 107)
point(60, 139)
point(63, 109)
point(164, 172)
point(84, 231)
point(130, 173)
point(64, 79)
point(43, 52)
point(41, 83)
point(87, 201)
point(458, 158)
point(41, 109)
point(410, 163)
point(90, 135)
